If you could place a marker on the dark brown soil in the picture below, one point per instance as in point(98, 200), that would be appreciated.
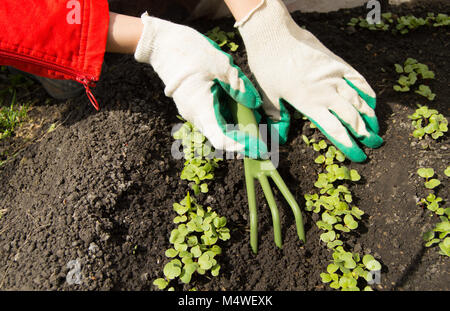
point(100, 187)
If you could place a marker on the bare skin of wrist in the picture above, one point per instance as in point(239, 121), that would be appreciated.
point(124, 33)
point(241, 8)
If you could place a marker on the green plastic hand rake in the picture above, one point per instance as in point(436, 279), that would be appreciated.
point(261, 170)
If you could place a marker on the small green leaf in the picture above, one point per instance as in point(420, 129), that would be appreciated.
point(334, 244)
point(354, 175)
point(215, 270)
point(445, 247)
point(172, 269)
point(196, 251)
point(431, 242)
point(224, 234)
point(419, 133)
point(328, 236)
point(331, 268)
point(425, 172)
point(443, 226)
point(176, 236)
point(216, 249)
point(205, 261)
point(322, 144)
point(340, 227)
point(326, 278)
point(398, 68)
point(187, 272)
point(179, 219)
point(447, 171)
point(204, 188)
point(180, 209)
point(306, 140)
point(370, 263)
point(171, 253)
point(348, 282)
point(327, 218)
point(233, 46)
point(349, 262)
point(160, 283)
point(320, 159)
point(220, 222)
point(350, 222)
point(335, 285)
point(180, 246)
point(192, 241)
point(340, 156)
point(433, 183)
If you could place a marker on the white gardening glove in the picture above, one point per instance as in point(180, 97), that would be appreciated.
point(200, 78)
point(292, 66)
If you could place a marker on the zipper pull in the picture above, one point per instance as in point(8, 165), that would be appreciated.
point(87, 85)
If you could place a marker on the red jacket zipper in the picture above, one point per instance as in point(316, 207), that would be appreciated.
point(86, 80)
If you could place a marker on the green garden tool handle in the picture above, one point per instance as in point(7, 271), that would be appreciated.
point(261, 169)
point(244, 117)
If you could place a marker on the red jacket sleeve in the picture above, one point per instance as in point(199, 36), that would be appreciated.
point(62, 39)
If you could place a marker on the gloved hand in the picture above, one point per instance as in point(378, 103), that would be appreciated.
point(198, 75)
point(292, 66)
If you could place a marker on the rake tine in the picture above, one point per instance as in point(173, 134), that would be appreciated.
point(251, 196)
point(273, 209)
point(292, 203)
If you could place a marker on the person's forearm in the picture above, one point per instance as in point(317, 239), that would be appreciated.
point(241, 8)
point(124, 33)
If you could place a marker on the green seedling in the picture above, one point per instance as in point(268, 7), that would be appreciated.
point(363, 23)
point(401, 24)
point(411, 65)
point(223, 38)
point(426, 92)
point(439, 235)
point(199, 170)
point(410, 72)
point(428, 173)
point(308, 141)
point(200, 162)
point(193, 141)
point(432, 202)
point(321, 145)
point(330, 156)
point(428, 121)
point(347, 268)
point(338, 216)
point(333, 201)
point(194, 243)
point(409, 22)
point(447, 171)
point(441, 20)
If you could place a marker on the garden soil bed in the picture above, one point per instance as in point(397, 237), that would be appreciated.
point(99, 188)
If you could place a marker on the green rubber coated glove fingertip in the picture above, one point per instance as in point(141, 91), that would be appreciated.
point(356, 156)
point(372, 141)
